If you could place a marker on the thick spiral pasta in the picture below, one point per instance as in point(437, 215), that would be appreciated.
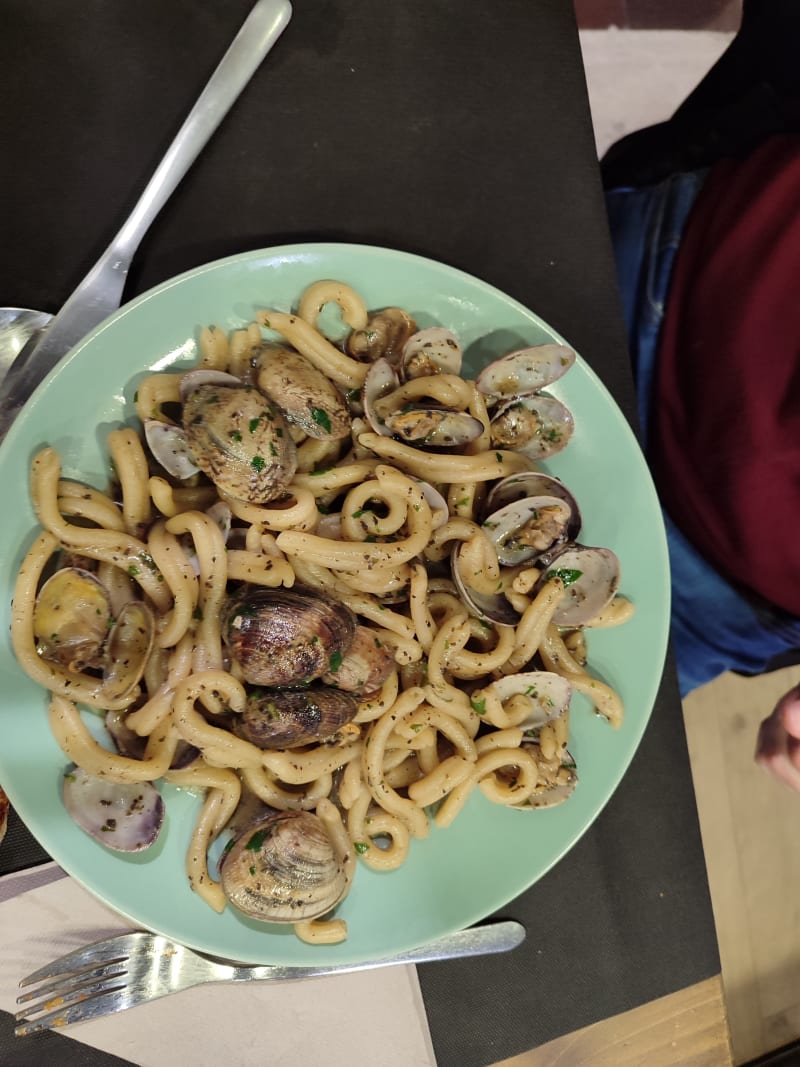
point(432, 732)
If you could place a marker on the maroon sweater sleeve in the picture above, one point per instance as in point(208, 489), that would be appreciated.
point(725, 446)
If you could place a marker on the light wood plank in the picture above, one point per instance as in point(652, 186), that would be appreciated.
point(751, 836)
point(688, 1027)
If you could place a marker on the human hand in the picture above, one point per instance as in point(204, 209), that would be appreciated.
point(778, 744)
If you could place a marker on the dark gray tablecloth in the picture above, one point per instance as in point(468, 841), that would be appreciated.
point(456, 129)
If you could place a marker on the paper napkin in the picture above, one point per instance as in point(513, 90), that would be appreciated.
point(374, 1017)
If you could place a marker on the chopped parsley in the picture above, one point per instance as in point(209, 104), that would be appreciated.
point(335, 661)
point(258, 463)
point(257, 840)
point(479, 706)
point(568, 575)
point(361, 847)
point(321, 418)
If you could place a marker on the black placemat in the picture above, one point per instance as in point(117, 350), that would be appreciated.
point(450, 128)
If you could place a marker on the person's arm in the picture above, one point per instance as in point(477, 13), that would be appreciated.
point(778, 744)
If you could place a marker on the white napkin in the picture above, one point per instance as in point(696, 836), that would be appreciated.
point(374, 1017)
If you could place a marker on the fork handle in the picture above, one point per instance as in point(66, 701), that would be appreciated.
point(100, 292)
point(474, 941)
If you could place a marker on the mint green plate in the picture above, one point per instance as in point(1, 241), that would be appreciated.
point(491, 854)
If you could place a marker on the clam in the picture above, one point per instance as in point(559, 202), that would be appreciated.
point(381, 379)
point(536, 425)
point(193, 379)
point(74, 627)
point(365, 666)
point(557, 781)
point(129, 743)
point(437, 503)
point(433, 426)
point(492, 607)
point(286, 637)
point(289, 718)
point(169, 446)
point(305, 396)
point(591, 576)
point(384, 336)
point(534, 483)
point(240, 440)
point(284, 869)
point(548, 695)
point(434, 350)
point(71, 618)
point(524, 371)
point(126, 817)
point(528, 529)
point(127, 649)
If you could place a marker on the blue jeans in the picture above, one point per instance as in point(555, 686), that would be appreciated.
point(715, 627)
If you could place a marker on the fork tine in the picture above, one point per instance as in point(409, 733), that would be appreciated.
point(78, 994)
point(66, 983)
point(103, 1002)
point(104, 951)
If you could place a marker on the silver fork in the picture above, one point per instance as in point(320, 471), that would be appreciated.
point(133, 968)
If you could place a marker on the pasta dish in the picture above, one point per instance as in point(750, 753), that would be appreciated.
point(331, 589)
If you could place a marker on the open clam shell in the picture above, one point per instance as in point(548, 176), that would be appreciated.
point(534, 483)
point(129, 644)
point(383, 337)
point(381, 379)
point(493, 608)
point(125, 817)
point(434, 426)
point(193, 379)
point(71, 618)
point(528, 529)
point(591, 576)
point(555, 788)
point(548, 694)
point(537, 425)
point(434, 350)
point(527, 370)
point(169, 447)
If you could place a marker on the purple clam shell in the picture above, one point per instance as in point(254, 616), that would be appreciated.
point(126, 817)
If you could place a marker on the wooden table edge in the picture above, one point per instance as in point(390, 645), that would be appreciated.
point(689, 1027)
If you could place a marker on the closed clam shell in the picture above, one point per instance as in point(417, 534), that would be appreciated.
point(286, 637)
point(366, 665)
point(284, 869)
point(237, 436)
point(289, 718)
point(305, 396)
